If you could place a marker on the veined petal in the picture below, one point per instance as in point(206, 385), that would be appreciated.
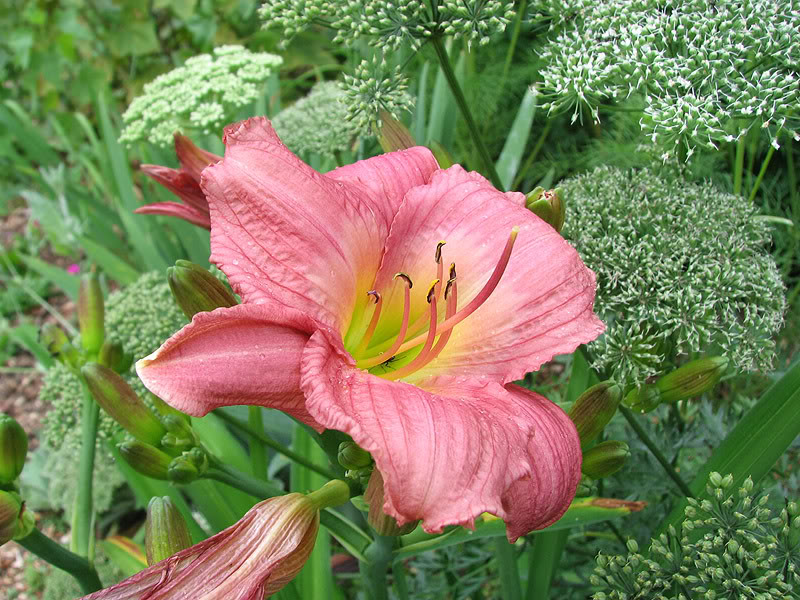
point(254, 557)
point(174, 209)
point(388, 177)
point(447, 452)
point(180, 183)
point(283, 231)
point(193, 159)
point(541, 498)
point(246, 354)
point(542, 305)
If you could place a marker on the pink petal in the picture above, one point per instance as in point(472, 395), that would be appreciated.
point(193, 159)
point(448, 452)
point(256, 556)
point(180, 183)
point(281, 230)
point(542, 305)
point(173, 209)
point(388, 177)
point(246, 354)
point(539, 500)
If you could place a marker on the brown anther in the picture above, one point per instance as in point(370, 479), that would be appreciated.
point(438, 256)
point(375, 295)
point(405, 277)
point(431, 290)
point(452, 272)
point(448, 287)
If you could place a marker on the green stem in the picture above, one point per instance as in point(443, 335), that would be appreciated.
point(629, 416)
point(375, 568)
point(523, 6)
point(738, 166)
point(790, 170)
point(461, 101)
point(258, 453)
point(51, 552)
point(544, 557)
point(506, 557)
point(534, 153)
point(82, 517)
point(399, 580)
point(278, 447)
point(762, 172)
point(242, 481)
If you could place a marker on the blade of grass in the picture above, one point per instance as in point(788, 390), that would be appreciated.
point(113, 265)
point(511, 156)
point(58, 277)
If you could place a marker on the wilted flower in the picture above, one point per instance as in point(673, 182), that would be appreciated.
point(183, 182)
point(255, 557)
point(340, 327)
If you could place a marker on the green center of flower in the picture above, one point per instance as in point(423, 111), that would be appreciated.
point(417, 343)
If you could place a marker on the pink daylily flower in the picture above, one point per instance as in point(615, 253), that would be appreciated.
point(184, 183)
point(394, 301)
point(253, 558)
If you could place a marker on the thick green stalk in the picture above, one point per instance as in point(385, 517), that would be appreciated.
point(523, 6)
point(738, 167)
point(631, 418)
point(461, 101)
point(82, 517)
point(51, 552)
point(762, 172)
point(506, 558)
point(258, 453)
point(278, 447)
point(544, 557)
point(375, 568)
point(242, 481)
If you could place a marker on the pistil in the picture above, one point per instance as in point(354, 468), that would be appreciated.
point(392, 350)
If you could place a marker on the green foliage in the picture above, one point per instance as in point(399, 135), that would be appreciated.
point(318, 122)
point(681, 268)
point(729, 546)
point(201, 96)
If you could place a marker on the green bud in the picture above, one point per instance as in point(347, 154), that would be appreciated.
point(179, 436)
point(165, 531)
point(548, 205)
point(393, 135)
point(593, 409)
point(113, 356)
point(182, 470)
point(196, 290)
point(605, 459)
point(643, 399)
point(692, 379)
point(10, 509)
point(13, 448)
point(145, 459)
point(119, 400)
point(57, 344)
point(91, 313)
point(352, 456)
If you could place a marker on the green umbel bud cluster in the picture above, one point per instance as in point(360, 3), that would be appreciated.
point(729, 545)
point(201, 96)
point(165, 531)
point(373, 88)
point(680, 267)
point(702, 73)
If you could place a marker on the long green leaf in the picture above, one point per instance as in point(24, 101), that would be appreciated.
point(112, 264)
point(59, 277)
point(511, 156)
point(755, 444)
point(583, 511)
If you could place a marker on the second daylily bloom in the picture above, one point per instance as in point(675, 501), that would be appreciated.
point(394, 301)
point(184, 183)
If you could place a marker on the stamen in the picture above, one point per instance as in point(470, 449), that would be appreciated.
point(373, 323)
point(421, 358)
point(439, 268)
point(478, 300)
point(390, 352)
point(451, 295)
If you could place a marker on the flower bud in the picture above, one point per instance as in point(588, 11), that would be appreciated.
point(196, 290)
point(182, 469)
point(113, 356)
point(643, 399)
point(548, 205)
point(10, 509)
point(145, 459)
point(393, 135)
point(593, 409)
point(380, 521)
point(13, 448)
point(165, 531)
point(57, 344)
point(692, 379)
point(91, 313)
point(605, 459)
point(352, 456)
point(119, 400)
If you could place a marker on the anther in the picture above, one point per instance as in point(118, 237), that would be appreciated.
point(438, 255)
point(432, 290)
point(404, 276)
point(375, 295)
